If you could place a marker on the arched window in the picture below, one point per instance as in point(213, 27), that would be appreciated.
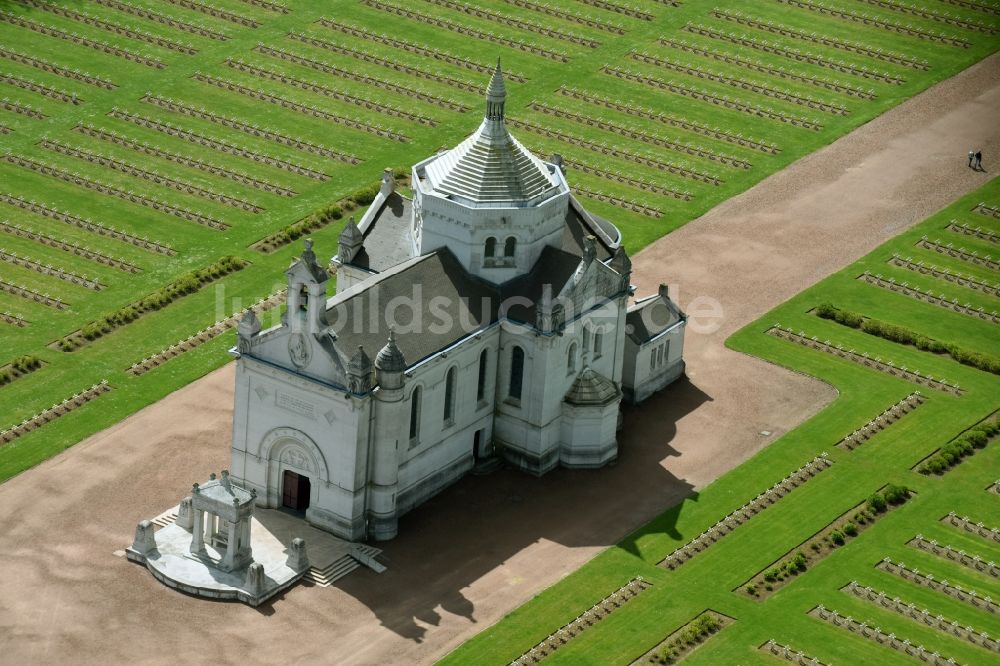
point(491, 247)
point(449, 396)
point(481, 389)
point(598, 343)
point(585, 347)
point(652, 360)
point(571, 359)
point(415, 414)
point(516, 373)
point(509, 246)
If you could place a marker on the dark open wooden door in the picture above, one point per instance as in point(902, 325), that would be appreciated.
point(295, 490)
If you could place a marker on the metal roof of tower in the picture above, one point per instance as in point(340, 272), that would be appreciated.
point(491, 166)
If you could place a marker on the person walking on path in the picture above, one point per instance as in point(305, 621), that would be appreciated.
point(972, 156)
point(979, 160)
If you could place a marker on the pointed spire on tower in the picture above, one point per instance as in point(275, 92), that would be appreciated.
point(496, 95)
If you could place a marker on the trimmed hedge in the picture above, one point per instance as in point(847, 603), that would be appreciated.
point(691, 635)
point(185, 284)
point(964, 445)
point(21, 365)
point(906, 336)
point(324, 216)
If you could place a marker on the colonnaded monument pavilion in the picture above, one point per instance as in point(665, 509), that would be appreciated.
point(497, 312)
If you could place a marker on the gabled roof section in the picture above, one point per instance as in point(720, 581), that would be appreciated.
point(491, 166)
point(651, 316)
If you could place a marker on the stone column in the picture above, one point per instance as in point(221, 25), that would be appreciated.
point(197, 532)
point(228, 559)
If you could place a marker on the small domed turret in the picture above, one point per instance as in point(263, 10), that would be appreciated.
point(390, 364)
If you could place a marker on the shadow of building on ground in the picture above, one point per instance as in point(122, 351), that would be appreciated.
point(475, 526)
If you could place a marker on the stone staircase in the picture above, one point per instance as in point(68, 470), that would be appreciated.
point(344, 565)
point(166, 518)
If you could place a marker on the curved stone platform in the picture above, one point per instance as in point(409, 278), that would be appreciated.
point(172, 563)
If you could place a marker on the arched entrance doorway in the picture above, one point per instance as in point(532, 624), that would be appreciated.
point(295, 490)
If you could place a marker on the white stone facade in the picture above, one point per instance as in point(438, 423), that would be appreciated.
point(519, 356)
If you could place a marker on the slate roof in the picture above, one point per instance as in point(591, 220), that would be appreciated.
point(650, 317)
point(554, 267)
point(358, 316)
point(388, 241)
point(591, 388)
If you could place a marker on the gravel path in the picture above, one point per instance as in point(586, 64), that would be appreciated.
point(490, 543)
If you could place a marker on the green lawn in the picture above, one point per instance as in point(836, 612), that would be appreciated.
point(708, 580)
point(651, 141)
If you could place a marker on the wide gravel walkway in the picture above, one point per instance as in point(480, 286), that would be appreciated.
point(490, 543)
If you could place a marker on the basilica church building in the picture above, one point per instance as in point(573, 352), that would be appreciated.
point(486, 319)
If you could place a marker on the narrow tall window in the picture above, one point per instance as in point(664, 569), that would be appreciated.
point(449, 396)
point(509, 246)
point(652, 360)
point(571, 358)
point(491, 247)
point(598, 343)
point(481, 388)
point(415, 414)
point(516, 373)
point(585, 347)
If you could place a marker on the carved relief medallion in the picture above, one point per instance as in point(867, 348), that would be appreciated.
point(299, 350)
